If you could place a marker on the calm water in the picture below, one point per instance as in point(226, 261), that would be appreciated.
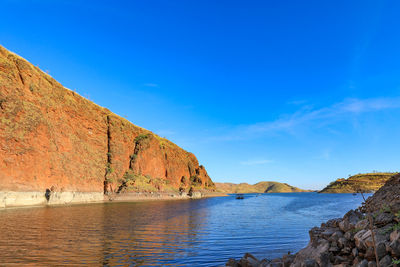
point(203, 232)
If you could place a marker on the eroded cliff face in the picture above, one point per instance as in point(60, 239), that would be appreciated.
point(50, 137)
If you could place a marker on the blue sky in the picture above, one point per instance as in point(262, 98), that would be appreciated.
point(302, 92)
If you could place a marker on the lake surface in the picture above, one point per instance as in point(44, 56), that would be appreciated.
point(204, 232)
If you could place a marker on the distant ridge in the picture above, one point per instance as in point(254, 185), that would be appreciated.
point(366, 182)
point(261, 187)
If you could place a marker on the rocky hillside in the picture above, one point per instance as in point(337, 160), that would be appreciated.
point(357, 239)
point(367, 182)
point(261, 187)
point(51, 137)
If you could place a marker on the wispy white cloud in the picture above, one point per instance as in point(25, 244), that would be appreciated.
point(151, 84)
point(367, 105)
point(256, 162)
point(308, 114)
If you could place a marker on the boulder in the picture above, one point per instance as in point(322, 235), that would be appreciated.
point(354, 252)
point(288, 259)
point(349, 235)
point(394, 248)
point(334, 249)
point(310, 263)
point(350, 220)
point(264, 263)
point(385, 261)
point(363, 263)
point(332, 223)
point(381, 250)
point(342, 242)
point(324, 259)
point(249, 260)
point(370, 254)
point(380, 237)
point(395, 235)
point(360, 240)
point(339, 260)
point(345, 225)
point(232, 263)
point(328, 233)
point(276, 263)
point(245, 263)
point(362, 224)
point(383, 219)
point(335, 236)
point(317, 250)
point(346, 250)
point(357, 260)
point(363, 239)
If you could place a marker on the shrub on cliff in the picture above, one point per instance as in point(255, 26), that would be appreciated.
point(133, 182)
point(141, 137)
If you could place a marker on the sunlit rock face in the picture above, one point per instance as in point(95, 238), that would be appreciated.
point(363, 182)
point(52, 138)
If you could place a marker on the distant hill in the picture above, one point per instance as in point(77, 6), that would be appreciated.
point(261, 187)
point(367, 182)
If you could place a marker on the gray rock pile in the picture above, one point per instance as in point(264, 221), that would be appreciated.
point(349, 241)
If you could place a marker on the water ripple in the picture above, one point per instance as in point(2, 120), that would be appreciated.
point(203, 232)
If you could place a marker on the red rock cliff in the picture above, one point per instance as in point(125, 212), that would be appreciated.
point(52, 137)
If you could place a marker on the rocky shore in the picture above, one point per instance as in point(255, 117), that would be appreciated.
point(359, 238)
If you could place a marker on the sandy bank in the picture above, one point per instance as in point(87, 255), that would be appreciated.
point(139, 196)
point(12, 199)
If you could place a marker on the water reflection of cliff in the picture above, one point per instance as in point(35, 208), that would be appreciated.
point(151, 233)
point(51, 236)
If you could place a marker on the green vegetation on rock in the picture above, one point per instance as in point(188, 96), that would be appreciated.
point(141, 137)
point(367, 182)
point(132, 182)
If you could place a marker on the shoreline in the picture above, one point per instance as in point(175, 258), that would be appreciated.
point(142, 197)
point(368, 236)
point(15, 199)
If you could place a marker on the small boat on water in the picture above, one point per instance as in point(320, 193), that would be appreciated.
point(354, 194)
point(239, 196)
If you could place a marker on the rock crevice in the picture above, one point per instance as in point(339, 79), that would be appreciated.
point(52, 137)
